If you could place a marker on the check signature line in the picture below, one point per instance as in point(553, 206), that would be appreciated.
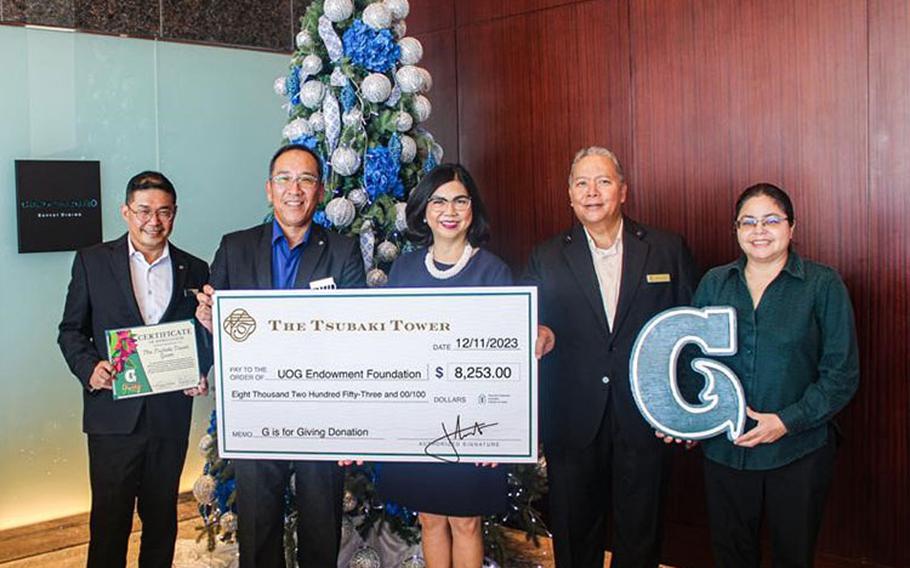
point(459, 433)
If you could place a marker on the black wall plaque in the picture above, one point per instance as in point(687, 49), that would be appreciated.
point(58, 204)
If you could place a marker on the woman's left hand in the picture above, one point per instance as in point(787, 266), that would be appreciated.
point(769, 429)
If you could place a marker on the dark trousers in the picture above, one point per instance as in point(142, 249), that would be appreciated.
point(137, 470)
point(261, 488)
point(792, 498)
point(584, 482)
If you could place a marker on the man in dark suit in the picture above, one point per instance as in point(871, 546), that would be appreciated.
point(136, 446)
point(289, 252)
point(599, 283)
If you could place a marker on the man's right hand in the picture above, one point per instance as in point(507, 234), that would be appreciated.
point(204, 309)
point(102, 377)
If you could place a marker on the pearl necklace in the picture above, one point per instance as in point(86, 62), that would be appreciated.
point(451, 271)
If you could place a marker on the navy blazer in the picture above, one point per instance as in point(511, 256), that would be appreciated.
point(590, 362)
point(100, 297)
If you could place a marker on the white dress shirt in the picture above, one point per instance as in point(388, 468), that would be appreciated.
point(152, 283)
point(608, 267)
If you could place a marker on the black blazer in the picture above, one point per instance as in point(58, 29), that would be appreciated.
point(590, 362)
point(244, 260)
point(100, 297)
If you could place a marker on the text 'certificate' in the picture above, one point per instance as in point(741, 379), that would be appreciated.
point(394, 374)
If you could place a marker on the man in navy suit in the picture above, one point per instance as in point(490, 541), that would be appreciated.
point(286, 253)
point(599, 283)
point(136, 446)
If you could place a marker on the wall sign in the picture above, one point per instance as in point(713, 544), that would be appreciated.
point(58, 204)
point(655, 385)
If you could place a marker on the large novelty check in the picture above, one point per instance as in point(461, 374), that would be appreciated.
point(406, 374)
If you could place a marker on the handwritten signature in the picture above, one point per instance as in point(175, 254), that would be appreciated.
point(459, 433)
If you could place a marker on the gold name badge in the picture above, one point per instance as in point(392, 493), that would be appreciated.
point(658, 278)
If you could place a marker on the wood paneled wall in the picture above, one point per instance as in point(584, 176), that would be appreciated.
point(700, 98)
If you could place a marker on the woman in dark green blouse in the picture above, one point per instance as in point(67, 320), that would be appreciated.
point(798, 364)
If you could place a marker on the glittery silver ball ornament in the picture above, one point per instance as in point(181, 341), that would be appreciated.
point(297, 128)
point(409, 79)
point(317, 122)
point(358, 197)
point(398, 8)
point(338, 10)
point(365, 557)
point(408, 149)
point(377, 16)
point(387, 251)
point(352, 118)
point(340, 211)
point(311, 64)
point(281, 86)
point(205, 444)
point(228, 522)
point(411, 50)
point(376, 278)
point(404, 122)
point(422, 108)
point(400, 29)
point(401, 218)
point(427, 80)
point(349, 502)
point(413, 562)
point(345, 160)
point(204, 489)
point(311, 93)
point(304, 40)
point(438, 152)
point(376, 87)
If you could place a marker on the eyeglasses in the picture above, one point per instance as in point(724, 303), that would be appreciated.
point(144, 214)
point(461, 203)
point(306, 181)
point(770, 221)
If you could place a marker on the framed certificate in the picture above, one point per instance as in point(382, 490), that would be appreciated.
point(406, 374)
point(153, 359)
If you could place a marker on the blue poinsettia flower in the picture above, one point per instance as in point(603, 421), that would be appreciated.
point(380, 173)
point(375, 50)
point(320, 218)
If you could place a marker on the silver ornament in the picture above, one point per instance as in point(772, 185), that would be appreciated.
point(409, 79)
point(311, 93)
point(437, 152)
point(338, 78)
point(367, 242)
point(387, 251)
point(422, 108)
point(338, 10)
point(376, 278)
point(345, 161)
point(358, 197)
point(349, 502)
point(297, 128)
point(400, 29)
point(376, 87)
point(228, 522)
point(311, 65)
point(394, 97)
point(353, 117)
point(331, 110)
point(280, 86)
point(411, 50)
point(333, 44)
point(205, 444)
point(317, 123)
point(427, 80)
point(408, 149)
point(414, 561)
point(398, 8)
point(340, 211)
point(401, 218)
point(377, 16)
point(304, 40)
point(204, 489)
point(405, 121)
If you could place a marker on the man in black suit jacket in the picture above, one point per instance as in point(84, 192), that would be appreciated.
point(599, 283)
point(137, 446)
point(290, 252)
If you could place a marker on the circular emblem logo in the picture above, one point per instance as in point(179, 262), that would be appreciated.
point(239, 325)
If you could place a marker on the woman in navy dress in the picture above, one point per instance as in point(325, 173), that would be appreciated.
point(447, 218)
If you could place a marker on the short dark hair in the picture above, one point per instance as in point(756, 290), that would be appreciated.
point(416, 209)
point(299, 147)
point(777, 194)
point(149, 180)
